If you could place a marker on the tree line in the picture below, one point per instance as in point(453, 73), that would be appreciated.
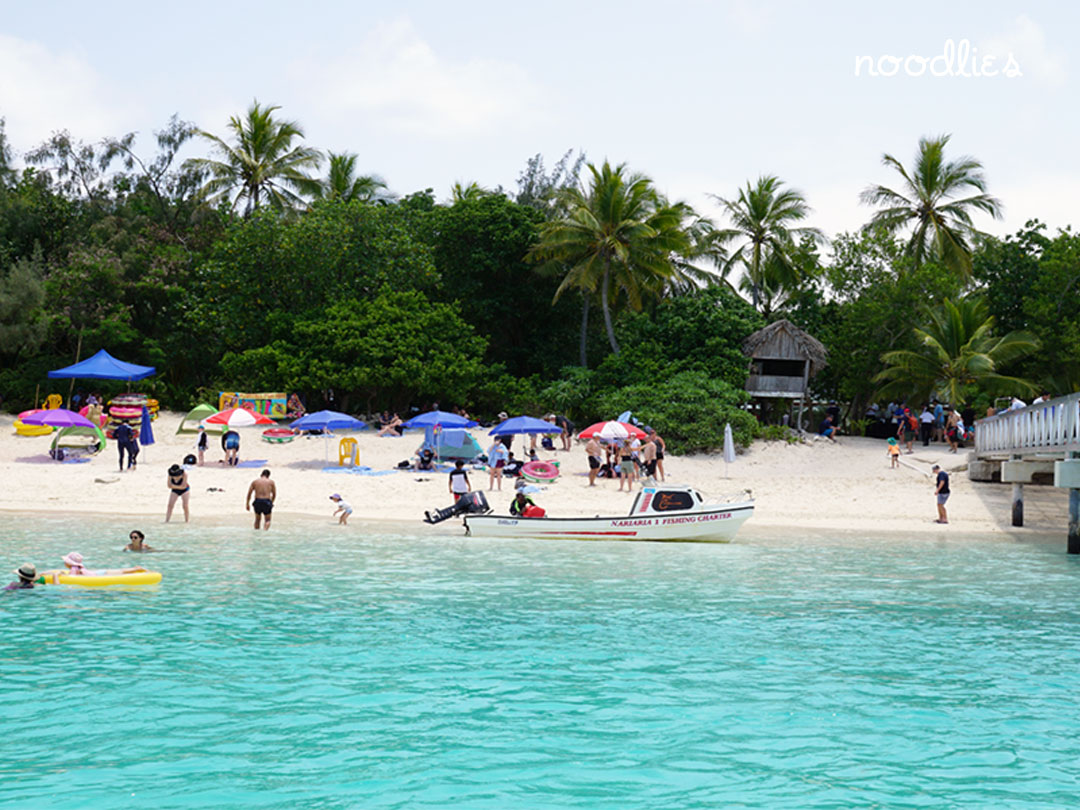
point(270, 265)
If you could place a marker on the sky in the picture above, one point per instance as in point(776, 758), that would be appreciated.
point(700, 96)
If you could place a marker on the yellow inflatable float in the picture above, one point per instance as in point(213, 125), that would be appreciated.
point(23, 429)
point(100, 579)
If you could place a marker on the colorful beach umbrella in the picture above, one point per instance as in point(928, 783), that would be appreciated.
point(612, 430)
point(58, 418)
point(238, 417)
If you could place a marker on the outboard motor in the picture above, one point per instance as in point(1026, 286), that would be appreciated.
point(471, 503)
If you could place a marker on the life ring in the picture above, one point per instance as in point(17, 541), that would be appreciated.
point(540, 471)
point(278, 435)
point(23, 429)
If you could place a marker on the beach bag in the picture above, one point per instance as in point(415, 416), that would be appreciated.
point(533, 511)
point(913, 424)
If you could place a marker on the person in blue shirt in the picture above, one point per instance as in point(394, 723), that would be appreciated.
point(497, 458)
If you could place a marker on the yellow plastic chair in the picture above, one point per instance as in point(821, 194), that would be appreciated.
point(53, 401)
point(347, 451)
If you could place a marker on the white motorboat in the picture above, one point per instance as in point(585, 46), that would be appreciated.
point(676, 513)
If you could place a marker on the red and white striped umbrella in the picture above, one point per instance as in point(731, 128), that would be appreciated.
point(238, 417)
point(612, 430)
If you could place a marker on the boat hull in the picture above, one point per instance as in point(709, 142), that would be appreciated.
point(712, 524)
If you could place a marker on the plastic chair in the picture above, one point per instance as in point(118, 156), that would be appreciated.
point(53, 401)
point(347, 451)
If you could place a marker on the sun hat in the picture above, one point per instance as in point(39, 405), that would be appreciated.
point(74, 558)
point(502, 415)
point(175, 469)
point(892, 440)
point(335, 497)
point(26, 571)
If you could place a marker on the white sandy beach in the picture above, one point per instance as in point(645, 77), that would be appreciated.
point(815, 487)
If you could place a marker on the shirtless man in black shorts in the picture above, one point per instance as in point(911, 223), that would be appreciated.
point(265, 492)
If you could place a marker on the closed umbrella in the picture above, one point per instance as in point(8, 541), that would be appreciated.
point(729, 448)
point(146, 433)
point(238, 417)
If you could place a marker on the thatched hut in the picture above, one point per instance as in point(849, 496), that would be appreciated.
point(783, 360)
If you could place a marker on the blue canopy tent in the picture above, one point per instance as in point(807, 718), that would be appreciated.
point(103, 366)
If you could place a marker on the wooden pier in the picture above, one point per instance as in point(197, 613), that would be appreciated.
point(1043, 438)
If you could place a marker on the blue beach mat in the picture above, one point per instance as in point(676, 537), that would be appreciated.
point(255, 462)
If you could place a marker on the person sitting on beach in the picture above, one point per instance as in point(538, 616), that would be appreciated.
point(520, 503)
point(513, 465)
point(136, 537)
point(342, 508)
point(826, 429)
point(26, 574)
point(230, 443)
point(425, 459)
point(392, 427)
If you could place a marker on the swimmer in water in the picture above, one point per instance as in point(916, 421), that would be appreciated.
point(136, 537)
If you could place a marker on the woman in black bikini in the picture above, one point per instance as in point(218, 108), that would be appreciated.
point(178, 488)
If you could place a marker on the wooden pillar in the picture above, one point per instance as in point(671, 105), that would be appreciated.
point(802, 398)
point(1017, 501)
point(1074, 516)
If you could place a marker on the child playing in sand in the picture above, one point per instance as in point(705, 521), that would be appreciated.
point(894, 452)
point(343, 508)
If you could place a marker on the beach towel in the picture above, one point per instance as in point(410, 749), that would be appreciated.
point(259, 462)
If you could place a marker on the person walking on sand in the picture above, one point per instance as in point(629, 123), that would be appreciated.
point(459, 480)
point(941, 490)
point(894, 453)
point(202, 445)
point(265, 492)
point(660, 448)
point(343, 509)
point(123, 434)
point(908, 429)
point(592, 450)
point(497, 457)
point(178, 488)
point(626, 466)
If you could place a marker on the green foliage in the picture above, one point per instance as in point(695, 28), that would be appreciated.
point(701, 331)
point(779, 433)
point(937, 199)
point(22, 320)
point(955, 351)
point(689, 410)
point(384, 352)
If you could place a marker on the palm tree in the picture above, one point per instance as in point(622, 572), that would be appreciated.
point(931, 202)
point(467, 192)
point(761, 220)
point(619, 235)
point(956, 349)
point(344, 184)
point(262, 165)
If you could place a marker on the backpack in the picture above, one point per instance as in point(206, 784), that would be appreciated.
point(913, 424)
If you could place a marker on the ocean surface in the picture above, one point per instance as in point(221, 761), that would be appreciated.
point(320, 667)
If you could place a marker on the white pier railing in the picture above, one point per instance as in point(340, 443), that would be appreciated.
point(1049, 429)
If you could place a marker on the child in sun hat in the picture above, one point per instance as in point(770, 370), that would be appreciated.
point(343, 508)
point(74, 563)
point(894, 452)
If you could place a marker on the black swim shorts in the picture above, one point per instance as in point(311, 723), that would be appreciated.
point(262, 506)
point(594, 463)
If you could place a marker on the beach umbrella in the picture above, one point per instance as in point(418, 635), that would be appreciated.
point(327, 421)
point(58, 418)
point(729, 447)
point(613, 431)
point(522, 424)
point(146, 433)
point(238, 417)
point(440, 419)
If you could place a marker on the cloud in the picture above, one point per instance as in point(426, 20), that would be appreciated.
point(397, 82)
point(1026, 41)
point(42, 91)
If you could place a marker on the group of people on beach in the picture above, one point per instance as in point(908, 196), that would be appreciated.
point(629, 459)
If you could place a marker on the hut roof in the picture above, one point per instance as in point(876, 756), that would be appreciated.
point(783, 339)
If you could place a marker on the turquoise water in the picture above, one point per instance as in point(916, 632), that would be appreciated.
point(329, 668)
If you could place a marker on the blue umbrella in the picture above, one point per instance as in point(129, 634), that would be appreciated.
point(440, 419)
point(522, 424)
point(146, 433)
point(328, 420)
